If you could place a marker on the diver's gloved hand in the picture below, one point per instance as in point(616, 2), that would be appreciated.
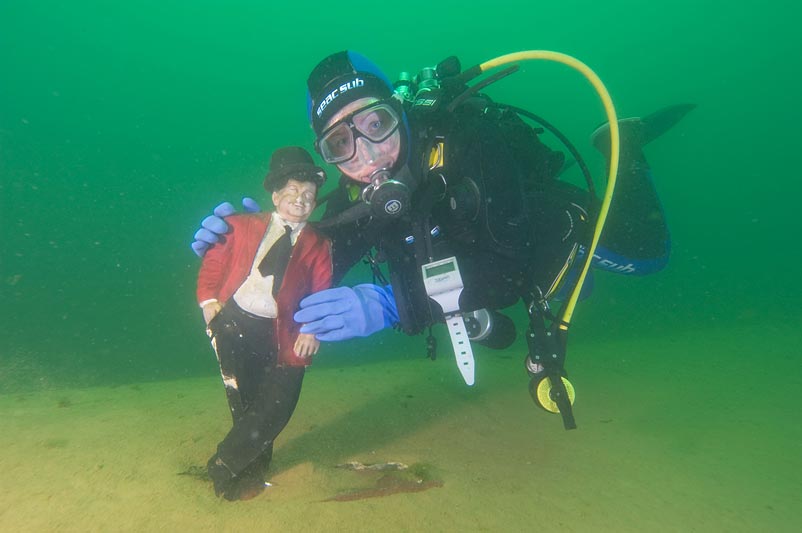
point(344, 312)
point(213, 226)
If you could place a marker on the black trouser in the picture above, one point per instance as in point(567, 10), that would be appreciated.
point(262, 396)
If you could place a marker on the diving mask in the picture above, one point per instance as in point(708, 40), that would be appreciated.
point(375, 122)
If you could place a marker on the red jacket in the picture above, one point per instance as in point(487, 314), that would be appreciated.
point(226, 265)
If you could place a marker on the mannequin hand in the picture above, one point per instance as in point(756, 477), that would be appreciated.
point(306, 345)
point(210, 311)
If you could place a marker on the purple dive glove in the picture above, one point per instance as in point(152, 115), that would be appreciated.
point(344, 312)
point(213, 226)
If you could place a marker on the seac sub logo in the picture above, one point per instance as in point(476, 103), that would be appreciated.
point(345, 87)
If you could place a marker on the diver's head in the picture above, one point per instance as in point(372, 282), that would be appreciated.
point(362, 138)
point(359, 124)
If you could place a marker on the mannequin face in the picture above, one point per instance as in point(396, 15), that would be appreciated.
point(296, 200)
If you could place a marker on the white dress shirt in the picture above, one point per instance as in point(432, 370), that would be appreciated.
point(255, 295)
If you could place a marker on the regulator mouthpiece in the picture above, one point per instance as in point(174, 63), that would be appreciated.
point(385, 196)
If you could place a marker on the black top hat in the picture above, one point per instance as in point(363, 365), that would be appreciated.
point(292, 162)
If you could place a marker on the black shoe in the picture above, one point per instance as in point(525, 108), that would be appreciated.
point(221, 476)
point(250, 483)
point(243, 489)
point(243, 486)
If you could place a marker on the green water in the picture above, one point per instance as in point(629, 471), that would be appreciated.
point(123, 124)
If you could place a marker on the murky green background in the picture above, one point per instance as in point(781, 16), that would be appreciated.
point(123, 124)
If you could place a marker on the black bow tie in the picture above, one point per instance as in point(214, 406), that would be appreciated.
point(276, 259)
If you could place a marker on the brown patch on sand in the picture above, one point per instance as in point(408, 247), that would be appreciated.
point(390, 481)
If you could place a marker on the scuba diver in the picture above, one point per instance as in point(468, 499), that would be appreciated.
point(462, 201)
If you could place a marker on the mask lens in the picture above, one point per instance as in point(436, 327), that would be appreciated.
point(338, 144)
point(376, 122)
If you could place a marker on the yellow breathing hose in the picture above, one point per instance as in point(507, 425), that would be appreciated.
point(612, 119)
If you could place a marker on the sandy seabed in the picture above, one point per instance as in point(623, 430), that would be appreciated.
point(697, 432)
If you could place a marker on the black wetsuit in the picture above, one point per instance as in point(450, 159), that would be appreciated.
point(498, 206)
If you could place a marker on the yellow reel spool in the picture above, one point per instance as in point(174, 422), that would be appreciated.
point(541, 394)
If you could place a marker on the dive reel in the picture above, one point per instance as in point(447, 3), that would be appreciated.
point(546, 339)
